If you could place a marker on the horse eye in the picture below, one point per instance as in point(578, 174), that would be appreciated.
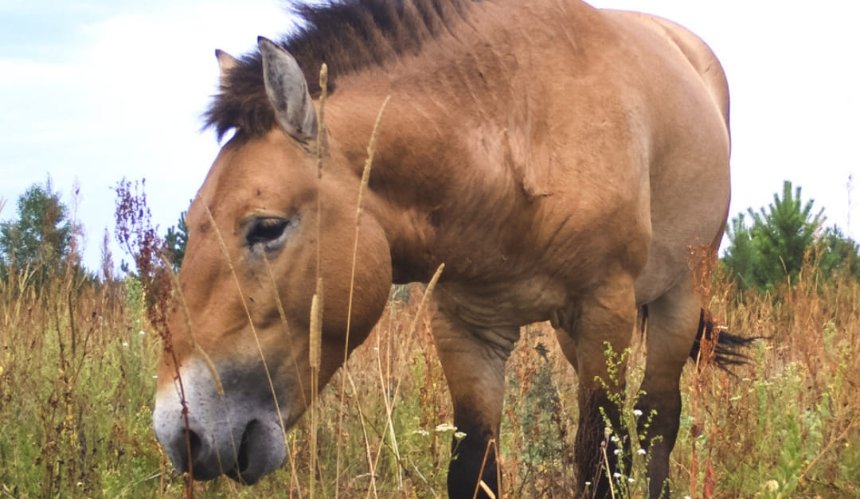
point(267, 231)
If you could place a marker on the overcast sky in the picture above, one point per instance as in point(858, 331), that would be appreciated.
point(94, 91)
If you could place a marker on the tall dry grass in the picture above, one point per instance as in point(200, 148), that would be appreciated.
point(77, 382)
point(76, 388)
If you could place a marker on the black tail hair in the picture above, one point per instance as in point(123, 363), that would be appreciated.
point(727, 350)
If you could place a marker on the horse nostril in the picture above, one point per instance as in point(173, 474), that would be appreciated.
point(192, 445)
point(244, 451)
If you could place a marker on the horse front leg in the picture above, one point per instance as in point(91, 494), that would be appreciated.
point(605, 319)
point(473, 360)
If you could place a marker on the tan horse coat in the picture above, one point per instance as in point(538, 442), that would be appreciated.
point(565, 163)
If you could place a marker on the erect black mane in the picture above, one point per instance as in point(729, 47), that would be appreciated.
point(348, 36)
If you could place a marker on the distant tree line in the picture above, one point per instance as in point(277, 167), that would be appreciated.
point(40, 241)
point(767, 248)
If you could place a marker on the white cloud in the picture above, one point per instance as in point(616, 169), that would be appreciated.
point(124, 97)
point(126, 101)
point(24, 74)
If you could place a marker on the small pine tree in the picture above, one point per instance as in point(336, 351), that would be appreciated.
point(839, 253)
point(783, 233)
point(742, 256)
point(175, 240)
point(773, 249)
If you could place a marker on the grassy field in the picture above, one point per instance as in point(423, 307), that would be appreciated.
point(77, 365)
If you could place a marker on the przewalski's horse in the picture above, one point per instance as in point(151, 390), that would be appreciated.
point(563, 162)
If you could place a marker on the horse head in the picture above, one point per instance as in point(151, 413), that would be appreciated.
point(264, 229)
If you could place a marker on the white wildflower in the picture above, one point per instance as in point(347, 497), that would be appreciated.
point(141, 333)
point(641, 452)
point(637, 412)
point(616, 474)
point(616, 451)
point(459, 435)
point(443, 427)
point(125, 344)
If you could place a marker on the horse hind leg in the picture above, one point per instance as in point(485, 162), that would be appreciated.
point(671, 331)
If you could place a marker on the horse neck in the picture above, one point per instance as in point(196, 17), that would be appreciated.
point(400, 194)
point(435, 197)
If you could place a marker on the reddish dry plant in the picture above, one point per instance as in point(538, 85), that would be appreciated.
point(135, 232)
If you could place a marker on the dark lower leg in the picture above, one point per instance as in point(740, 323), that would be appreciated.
point(473, 461)
point(474, 363)
point(671, 331)
point(658, 424)
point(604, 324)
point(600, 439)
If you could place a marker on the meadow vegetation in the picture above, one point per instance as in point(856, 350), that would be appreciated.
point(78, 357)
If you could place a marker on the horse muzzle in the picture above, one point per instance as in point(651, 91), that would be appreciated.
point(207, 434)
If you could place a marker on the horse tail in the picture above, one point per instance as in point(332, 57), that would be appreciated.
point(726, 349)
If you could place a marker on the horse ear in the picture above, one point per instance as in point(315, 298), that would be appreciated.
point(226, 63)
point(288, 91)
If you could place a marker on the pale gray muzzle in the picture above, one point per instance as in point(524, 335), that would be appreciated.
point(238, 435)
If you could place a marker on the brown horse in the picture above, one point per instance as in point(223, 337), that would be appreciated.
point(563, 162)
